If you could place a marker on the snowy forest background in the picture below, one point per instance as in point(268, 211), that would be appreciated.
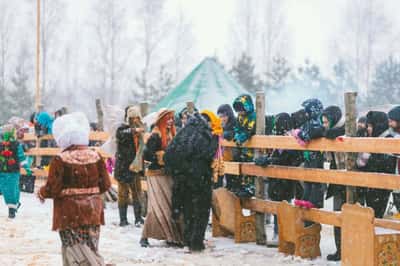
point(129, 51)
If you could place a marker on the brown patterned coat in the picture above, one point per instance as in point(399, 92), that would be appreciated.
point(75, 182)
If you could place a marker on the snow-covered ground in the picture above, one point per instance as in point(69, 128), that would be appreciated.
point(28, 240)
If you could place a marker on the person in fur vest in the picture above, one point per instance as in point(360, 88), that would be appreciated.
point(244, 129)
point(394, 124)
point(377, 199)
point(129, 165)
point(334, 125)
point(188, 160)
point(218, 163)
point(281, 189)
point(77, 178)
point(313, 192)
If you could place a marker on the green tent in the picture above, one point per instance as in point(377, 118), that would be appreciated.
point(208, 86)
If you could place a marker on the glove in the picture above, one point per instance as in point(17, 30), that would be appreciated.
point(263, 161)
point(295, 134)
point(176, 213)
point(28, 170)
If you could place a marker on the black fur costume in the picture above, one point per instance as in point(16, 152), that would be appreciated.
point(188, 160)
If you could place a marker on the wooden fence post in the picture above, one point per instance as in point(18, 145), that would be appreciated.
point(144, 109)
point(351, 131)
point(190, 107)
point(261, 236)
point(100, 115)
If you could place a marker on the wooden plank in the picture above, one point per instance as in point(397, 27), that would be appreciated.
point(316, 215)
point(232, 168)
point(386, 223)
point(56, 151)
point(94, 135)
point(345, 144)
point(341, 177)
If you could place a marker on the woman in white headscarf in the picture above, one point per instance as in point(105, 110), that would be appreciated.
point(77, 178)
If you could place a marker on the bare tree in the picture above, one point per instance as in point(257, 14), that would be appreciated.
point(363, 38)
point(183, 43)
point(6, 27)
point(154, 33)
point(274, 32)
point(245, 28)
point(50, 19)
point(109, 29)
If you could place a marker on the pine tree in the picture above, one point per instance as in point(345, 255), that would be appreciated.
point(20, 97)
point(243, 72)
point(386, 83)
point(280, 71)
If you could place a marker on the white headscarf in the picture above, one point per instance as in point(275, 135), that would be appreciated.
point(71, 129)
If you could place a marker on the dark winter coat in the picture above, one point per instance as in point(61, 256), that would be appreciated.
point(245, 127)
point(229, 127)
point(9, 163)
point(153, 146)
point(336, 159)
point(188, 160)
point(378, 163)
point(126, 152)
point(281, 189)
point(246, 124)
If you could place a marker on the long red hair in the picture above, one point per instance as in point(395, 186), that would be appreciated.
point(163, 127)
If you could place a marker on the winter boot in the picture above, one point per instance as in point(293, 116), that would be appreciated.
point(337, 255)
point(334, 257)
point(123, 215)
point(137, 208)
point(11, 213)
point(144, 243)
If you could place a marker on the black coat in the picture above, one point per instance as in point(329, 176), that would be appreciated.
point(188, 160)
point(282, 189)
point(125, 155)
point(153, 145)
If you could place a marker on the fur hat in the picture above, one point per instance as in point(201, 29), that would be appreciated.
point(394, 114)
point(71, 129)
point(333, 114)
point(132, 111)
point(379, 122)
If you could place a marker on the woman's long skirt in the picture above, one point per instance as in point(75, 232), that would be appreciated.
point(80, 246)
point(159, 224)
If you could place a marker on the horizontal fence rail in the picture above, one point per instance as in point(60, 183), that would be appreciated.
point(340, 177)
point(341, 144)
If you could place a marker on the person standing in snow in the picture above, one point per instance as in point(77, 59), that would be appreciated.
point(11, 158)
point(313, 192)
point(188, 160)
point(334, 125)
point(281, 189)
point(77, 178)
point(159, 223)
point(377, 199)
point(129, 137)
point(394, 124)
point(245, 128)
point(44, 126)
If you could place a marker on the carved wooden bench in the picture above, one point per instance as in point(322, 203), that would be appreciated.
point(228, 218)
point(294, 237)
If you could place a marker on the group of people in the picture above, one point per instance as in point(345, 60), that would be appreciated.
point(314, 121)
point(182, 158)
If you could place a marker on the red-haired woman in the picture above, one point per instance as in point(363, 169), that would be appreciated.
point(159, 224)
